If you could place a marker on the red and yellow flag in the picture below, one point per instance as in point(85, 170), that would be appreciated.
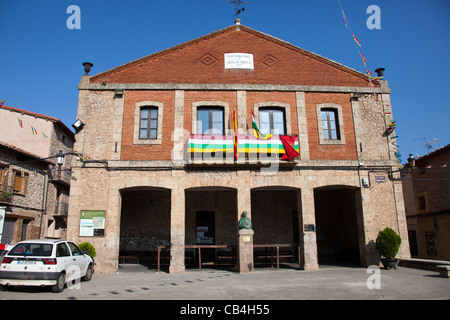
point(235, 129)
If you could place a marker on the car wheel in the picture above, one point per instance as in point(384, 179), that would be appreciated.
point(60, 282)
point(89, 272)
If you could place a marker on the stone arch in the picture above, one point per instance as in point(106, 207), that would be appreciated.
point(144, 221)
point(338, 215)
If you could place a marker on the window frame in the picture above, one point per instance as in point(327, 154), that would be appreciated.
point(285, 107)
point(137, 122)
point(271, 110)
point(328, 131)
point(149, 120)
point(24, 181)
point(340, 133)
point(210, 110)
point(210, 104)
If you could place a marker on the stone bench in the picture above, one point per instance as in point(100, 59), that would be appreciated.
point(444, 270)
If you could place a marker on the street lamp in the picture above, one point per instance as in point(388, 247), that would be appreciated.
point(411, 161)
point(60, 158)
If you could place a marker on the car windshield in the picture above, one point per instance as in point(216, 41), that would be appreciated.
point(32, 250)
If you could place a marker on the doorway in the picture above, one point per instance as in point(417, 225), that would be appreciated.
point(205, 233)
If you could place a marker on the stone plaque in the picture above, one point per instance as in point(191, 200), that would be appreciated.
point(239, 61)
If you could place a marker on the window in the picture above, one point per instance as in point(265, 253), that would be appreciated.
point(148, 123)
point(272, 121)
point(210, 120)
point(330, 124)
point(422, 203)
point(62, 250)
point(75, 250)
point(430, 239)
point(148, 127)
point(20, 181)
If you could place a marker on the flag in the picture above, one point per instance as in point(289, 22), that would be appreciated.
point(356, 40)
point(2, 102)
point(236, 143)
point(256, 131)
point(345, 20)
point(288, 144)
point(364, 59)
point(33, 130)
point(445, 165)
point(20, 122)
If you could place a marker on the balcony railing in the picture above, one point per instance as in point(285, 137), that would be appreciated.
point(6, 193)
point(205, 148)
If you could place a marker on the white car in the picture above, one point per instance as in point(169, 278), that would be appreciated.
point(45, 263)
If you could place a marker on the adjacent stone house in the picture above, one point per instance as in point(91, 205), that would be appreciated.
point(34, 193)
point(162, 168)
point(426, 187)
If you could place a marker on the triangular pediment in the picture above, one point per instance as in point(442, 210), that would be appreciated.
point(202, 61)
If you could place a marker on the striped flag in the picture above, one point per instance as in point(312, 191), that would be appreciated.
point(20, 122)
point(345, 20)
point(256, 131)
point(356, 40)
point(33, 130)
point(236, 142)
point(364, 59)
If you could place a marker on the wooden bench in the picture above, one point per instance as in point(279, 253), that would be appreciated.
point(284, 253)
point(123, 259)
point(227, 256)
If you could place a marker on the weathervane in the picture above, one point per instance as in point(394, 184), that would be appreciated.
point(238, 3)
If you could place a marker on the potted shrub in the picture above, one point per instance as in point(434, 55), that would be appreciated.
point(88, 249)
point(387, 244)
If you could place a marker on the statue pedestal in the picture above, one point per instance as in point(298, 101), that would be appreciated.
point(245, 251)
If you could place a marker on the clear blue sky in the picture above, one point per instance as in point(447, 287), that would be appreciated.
point(40, 58)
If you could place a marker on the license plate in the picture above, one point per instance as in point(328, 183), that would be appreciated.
point(26, 262)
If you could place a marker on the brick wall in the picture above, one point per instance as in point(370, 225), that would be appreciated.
point(325, 151)
point(275, 62)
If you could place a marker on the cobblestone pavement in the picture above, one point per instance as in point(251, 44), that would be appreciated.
point(135, 282)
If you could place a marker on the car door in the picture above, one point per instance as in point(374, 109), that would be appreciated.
point(79, 261)
point(63, 257)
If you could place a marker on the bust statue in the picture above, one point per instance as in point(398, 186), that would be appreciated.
point(245, 222)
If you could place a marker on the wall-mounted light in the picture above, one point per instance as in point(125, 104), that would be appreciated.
point(78, 125)
point(118, 93)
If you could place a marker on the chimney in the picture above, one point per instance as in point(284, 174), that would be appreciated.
point(380, 72)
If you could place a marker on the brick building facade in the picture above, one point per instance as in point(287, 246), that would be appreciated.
point(152, 177)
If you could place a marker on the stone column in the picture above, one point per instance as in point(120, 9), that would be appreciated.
point(302, 126)
point(245, 251)
point(177, 231)
point(307, 220)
